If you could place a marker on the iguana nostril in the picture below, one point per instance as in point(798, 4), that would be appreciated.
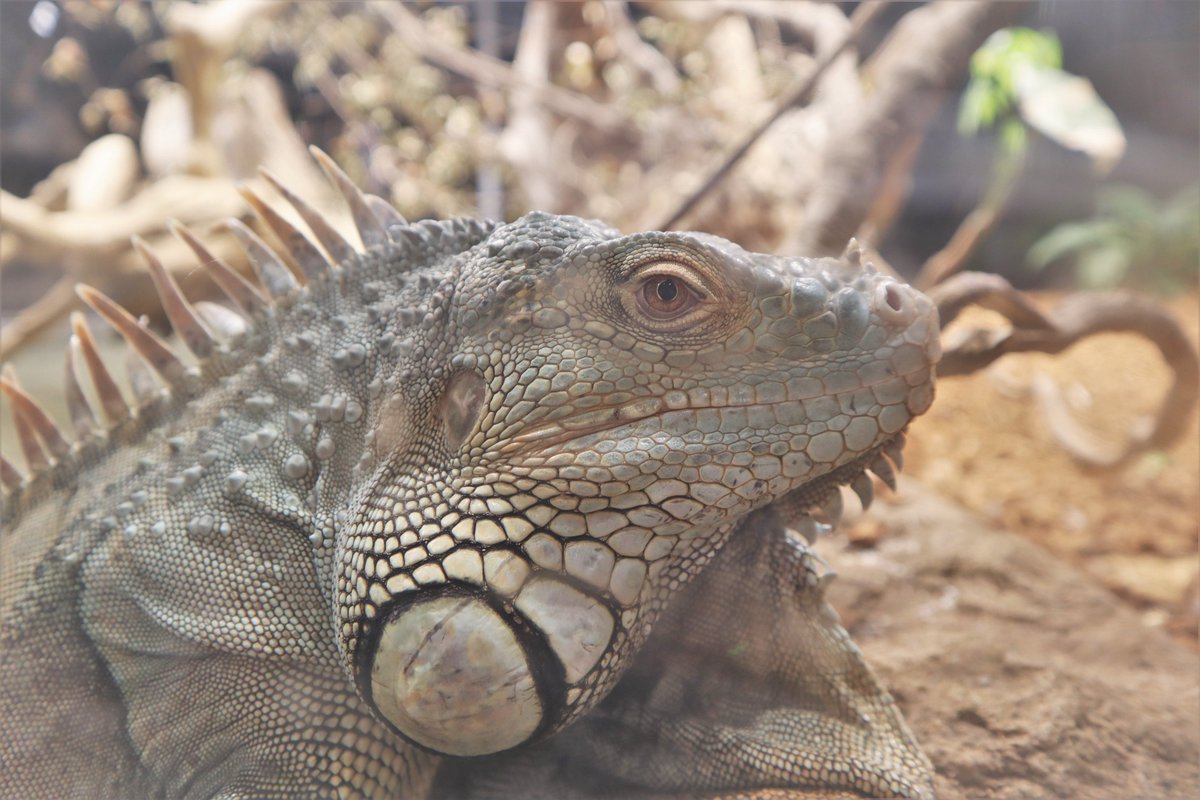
point(895, 304)
point(892, 298)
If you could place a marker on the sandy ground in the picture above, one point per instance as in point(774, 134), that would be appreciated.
point(1133, 529)
point(1020, 675)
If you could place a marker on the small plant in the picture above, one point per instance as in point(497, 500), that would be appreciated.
point(1017, 80)
point(996, 69)
point(1017, 84)
point(1133, 239)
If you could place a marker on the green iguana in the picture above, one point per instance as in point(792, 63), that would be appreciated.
point(476, 510)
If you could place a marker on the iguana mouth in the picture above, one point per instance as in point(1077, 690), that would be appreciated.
point(814, 505)
point(552, 435)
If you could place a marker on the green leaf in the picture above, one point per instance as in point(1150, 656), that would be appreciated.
point(1133, 239)
point(977, 109)
point(1103, 268)
point(1009, 50)
point(1066, 109)
point(1181, 215)
point(1071, 237)
point(1128, 204)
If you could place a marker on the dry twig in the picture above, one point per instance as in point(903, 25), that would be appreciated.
point(912, 71)
point(493, 72)
point(1078, 316)
point(33, 319)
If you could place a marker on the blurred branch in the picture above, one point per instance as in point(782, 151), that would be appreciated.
point(183, 197)
point(493, 72)
point(918, 64)
point(527, 142)
point(80, 220)
point(975, 227)
point(859, 20)
point(645, 57)
point(92, 244)
point(1075, 318)
point(202, 39)
point(893, 191)
point(54, 304)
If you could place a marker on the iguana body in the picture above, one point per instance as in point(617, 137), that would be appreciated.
point(434, 503)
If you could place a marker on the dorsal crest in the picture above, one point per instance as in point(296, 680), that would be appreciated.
point(210, 331)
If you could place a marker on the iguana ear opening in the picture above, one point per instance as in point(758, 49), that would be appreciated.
point(461, 404)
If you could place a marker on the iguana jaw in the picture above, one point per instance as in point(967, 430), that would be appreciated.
point(812, 508)
point(463, 672)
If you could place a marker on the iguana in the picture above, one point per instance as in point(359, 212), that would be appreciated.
point(474, 510)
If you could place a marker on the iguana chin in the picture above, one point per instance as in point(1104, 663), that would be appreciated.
point(477, 509)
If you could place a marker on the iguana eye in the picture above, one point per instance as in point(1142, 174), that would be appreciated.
point(664, 293)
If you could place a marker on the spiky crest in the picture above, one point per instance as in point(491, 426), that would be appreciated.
point(179, 311)
point(370, 229)
point(309, 258)
point(244, 294)
point(10, 476)
point(111, 401)
point(157, 353)
point(271, 271)
point(78, 408)
point(389, 216)
point(208, 330)
point(340, 251)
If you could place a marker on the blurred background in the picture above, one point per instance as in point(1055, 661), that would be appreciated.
point(437, 116)
point(1053, 144)
point(1056, 144)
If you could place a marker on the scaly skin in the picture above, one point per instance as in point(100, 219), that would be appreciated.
point(441, 495)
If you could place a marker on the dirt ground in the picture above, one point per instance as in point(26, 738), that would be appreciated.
point(1035, 620)
point(1020, 676)
point(1134, 529)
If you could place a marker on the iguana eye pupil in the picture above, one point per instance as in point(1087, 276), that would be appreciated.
point(665, 297)
point(667, 290)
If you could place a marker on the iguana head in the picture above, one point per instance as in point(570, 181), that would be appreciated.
point(569, 429)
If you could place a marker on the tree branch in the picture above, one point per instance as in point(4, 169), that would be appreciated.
point(858, 22)
point(1075, 318)
point(916, 67)
point(495, 73)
